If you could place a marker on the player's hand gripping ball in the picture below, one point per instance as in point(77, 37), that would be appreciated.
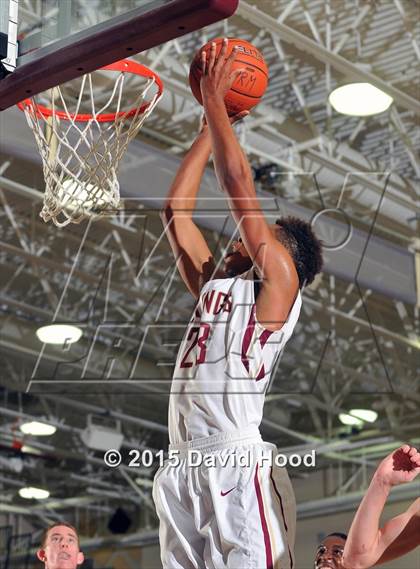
point(248, 87)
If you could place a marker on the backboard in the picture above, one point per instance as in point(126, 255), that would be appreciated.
point(59, 40)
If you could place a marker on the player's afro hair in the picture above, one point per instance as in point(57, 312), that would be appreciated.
point(306, 249)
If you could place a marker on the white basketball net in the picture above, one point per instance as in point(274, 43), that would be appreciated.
point(81, 159)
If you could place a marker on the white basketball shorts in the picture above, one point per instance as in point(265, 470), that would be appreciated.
point(227, 512)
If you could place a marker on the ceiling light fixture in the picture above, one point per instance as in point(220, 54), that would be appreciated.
point(99, 436)
point(38, 429)
point(357, 417)
point(59, 334)
point(31, 493)
point(359, 99)
point(145, 482)
point(28, 449)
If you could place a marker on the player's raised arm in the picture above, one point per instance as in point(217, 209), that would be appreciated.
point(194, 259)
point(408, 539)
point(368, 544)
point(274, 262)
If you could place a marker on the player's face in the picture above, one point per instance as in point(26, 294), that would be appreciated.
point(61, 549)
point(330, 553)
point(237, 260)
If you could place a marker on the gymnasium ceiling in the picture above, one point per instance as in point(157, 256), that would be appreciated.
point(355, 345)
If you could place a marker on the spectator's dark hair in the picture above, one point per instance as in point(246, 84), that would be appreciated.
point(57, 524)
point(337, 534)
point(305, 248)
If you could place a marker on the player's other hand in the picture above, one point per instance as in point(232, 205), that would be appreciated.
point(233, 119)
point(401, 466)
point(217, 75)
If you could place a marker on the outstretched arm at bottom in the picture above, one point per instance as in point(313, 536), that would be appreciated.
point(367, 543)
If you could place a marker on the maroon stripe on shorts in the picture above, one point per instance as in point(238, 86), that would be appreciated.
point(268, 552)
point(249, 332)
point(282, 514)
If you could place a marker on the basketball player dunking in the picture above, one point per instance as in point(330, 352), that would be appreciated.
point(229, 515)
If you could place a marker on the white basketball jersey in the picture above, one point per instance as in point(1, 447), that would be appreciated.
point(224, 362)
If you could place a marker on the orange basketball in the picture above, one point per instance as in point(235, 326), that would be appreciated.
point(248, 88)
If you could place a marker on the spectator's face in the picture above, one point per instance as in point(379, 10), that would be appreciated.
point(61, 550)
point(329, 554)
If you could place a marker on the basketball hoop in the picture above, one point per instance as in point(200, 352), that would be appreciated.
point(81, 151)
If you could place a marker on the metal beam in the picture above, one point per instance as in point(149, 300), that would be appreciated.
point(352, 71)
point(114, 414)
point(349, 502)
